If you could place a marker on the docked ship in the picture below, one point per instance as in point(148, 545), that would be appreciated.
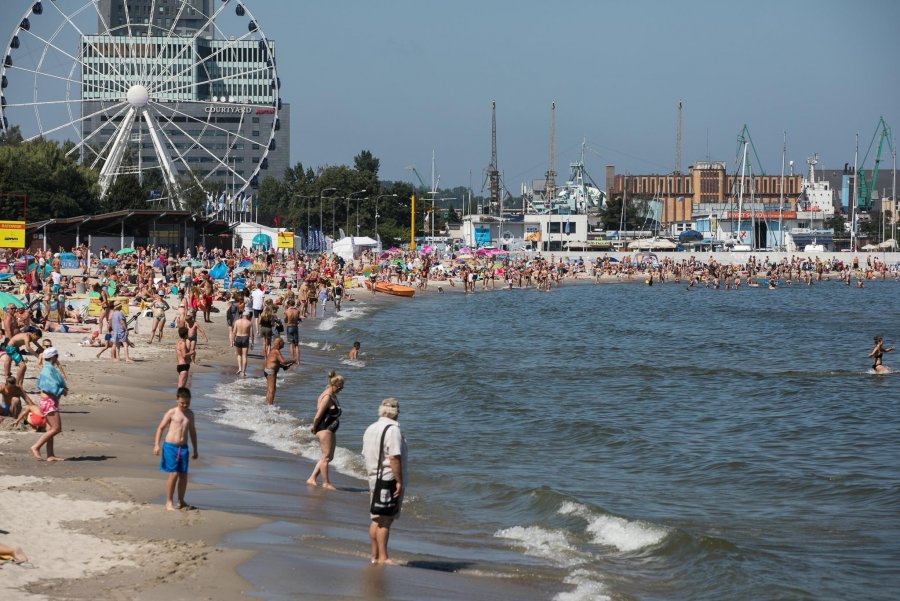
point(814, 207)
point(579, 195)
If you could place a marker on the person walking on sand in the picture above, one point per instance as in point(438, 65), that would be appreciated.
point(119, 333)
point(877, 353)
point(325, 425)
point(242, 328)
point(180, 422)
point(384, 440)
point(274, 362)
point(52, 383)
point(292, 330)
point(184, 356)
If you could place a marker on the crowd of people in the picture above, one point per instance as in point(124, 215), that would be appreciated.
point(267, 295)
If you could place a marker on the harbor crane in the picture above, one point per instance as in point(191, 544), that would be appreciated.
point(883, 133)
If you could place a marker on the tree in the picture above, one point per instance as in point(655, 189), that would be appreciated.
point(611, 214)
point(838, 224)
point(366, 162)
point(55, 184)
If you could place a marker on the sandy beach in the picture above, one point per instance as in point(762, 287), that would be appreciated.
point(94, 525)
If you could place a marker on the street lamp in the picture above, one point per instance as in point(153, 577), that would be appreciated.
point(321, 200)
point(349, 196)
point(377, 198)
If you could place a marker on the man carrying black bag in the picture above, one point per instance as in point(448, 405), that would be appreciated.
point(384, 451)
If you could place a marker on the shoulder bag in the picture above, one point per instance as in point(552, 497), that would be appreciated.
point(383, 500)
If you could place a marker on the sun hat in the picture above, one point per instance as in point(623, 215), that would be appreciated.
point(50, 353)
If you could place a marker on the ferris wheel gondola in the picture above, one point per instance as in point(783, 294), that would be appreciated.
point(165, 91)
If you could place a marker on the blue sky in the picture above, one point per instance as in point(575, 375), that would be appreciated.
point(402, 78)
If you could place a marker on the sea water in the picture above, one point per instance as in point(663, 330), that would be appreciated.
point(639, 442)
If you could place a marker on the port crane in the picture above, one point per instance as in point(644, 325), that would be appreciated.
point(883, 133)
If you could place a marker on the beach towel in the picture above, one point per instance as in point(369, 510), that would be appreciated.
point(51, 381)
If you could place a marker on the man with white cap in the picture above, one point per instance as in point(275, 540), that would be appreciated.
point(384, 451)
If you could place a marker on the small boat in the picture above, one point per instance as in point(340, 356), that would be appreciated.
point(394, 289)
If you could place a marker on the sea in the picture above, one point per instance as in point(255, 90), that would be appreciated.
point(622, 441)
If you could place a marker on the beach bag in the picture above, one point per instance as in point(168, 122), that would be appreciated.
point(383, 500)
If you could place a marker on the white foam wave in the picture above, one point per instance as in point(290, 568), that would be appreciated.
point(310, 344)
point(612, 531)
point(328, 323)
point(353, 362)
point(586, 588)
point(544, 543)
point(244, 407)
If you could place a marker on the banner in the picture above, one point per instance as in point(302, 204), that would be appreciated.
point(285, 240)
point(12, 234)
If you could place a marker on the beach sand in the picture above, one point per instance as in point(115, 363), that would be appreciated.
point(94, 526)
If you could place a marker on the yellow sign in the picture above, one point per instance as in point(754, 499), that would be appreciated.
point(12, 234)
point(285, 239)
point(535, 236)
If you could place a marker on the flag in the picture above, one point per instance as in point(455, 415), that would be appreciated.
point(277, 221)
point(221, 201)
point(566, 230)
point(246, 200)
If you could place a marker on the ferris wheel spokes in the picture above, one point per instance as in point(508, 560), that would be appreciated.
point(68, 19)
point(117, 152)
point(163, 71)
point(83, 143)
point(200, 146)
point(165, 164)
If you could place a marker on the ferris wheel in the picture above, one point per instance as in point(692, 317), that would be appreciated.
point(179, 93)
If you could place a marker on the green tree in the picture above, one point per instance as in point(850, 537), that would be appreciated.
point(611, 214)
point(56, 185)
point(366, 162)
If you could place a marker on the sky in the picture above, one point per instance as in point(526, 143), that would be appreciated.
point(403, 78)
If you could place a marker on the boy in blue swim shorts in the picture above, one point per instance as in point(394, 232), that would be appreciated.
point(180, 422)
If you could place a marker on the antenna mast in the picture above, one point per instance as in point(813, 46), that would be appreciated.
point(550, 184)
point(493, 173)
point(678, 141)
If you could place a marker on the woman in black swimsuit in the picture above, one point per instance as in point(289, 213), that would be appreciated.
point(877, 353)
point(324, 426)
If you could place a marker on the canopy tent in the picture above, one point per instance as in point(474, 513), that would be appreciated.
point(351, 247)
point(652, 244)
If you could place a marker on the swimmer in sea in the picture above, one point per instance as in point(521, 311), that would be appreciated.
point(877, 353)
point(354, 352)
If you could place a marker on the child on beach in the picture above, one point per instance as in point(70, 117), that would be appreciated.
point(354, 352)
point(52, 383)
point(180, 422)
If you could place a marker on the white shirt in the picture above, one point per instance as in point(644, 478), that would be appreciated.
point(257, 298)
point(394, 446)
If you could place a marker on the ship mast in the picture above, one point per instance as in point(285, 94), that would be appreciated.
point(550, 182)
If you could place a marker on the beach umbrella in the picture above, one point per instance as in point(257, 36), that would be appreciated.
point(191, 263)
point(126, 251)
point(257, 268)
point(690, 236)
point(481, 252)
point(109, 262)
point(384, 255)
point(393, 249)
point(6, 298)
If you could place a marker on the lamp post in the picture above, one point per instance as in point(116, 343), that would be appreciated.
point(377, 198)
point(321, 200)
point(349, 196)
point(307, 213)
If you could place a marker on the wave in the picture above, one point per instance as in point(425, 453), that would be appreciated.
point(243, 406)
point(328, 323)
point(545, 543)
point(353, 362)
point(612, 531)
point(587, 588)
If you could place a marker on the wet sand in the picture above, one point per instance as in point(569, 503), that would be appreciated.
point(94, 526)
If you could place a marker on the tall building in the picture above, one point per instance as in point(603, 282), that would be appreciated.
point(706, 183)
point(115, 16)
point(212, 100)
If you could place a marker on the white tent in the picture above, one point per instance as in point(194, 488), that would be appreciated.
point(351, 247)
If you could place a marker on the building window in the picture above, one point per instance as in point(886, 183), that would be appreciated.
point(255, 133)
point(256, 119)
